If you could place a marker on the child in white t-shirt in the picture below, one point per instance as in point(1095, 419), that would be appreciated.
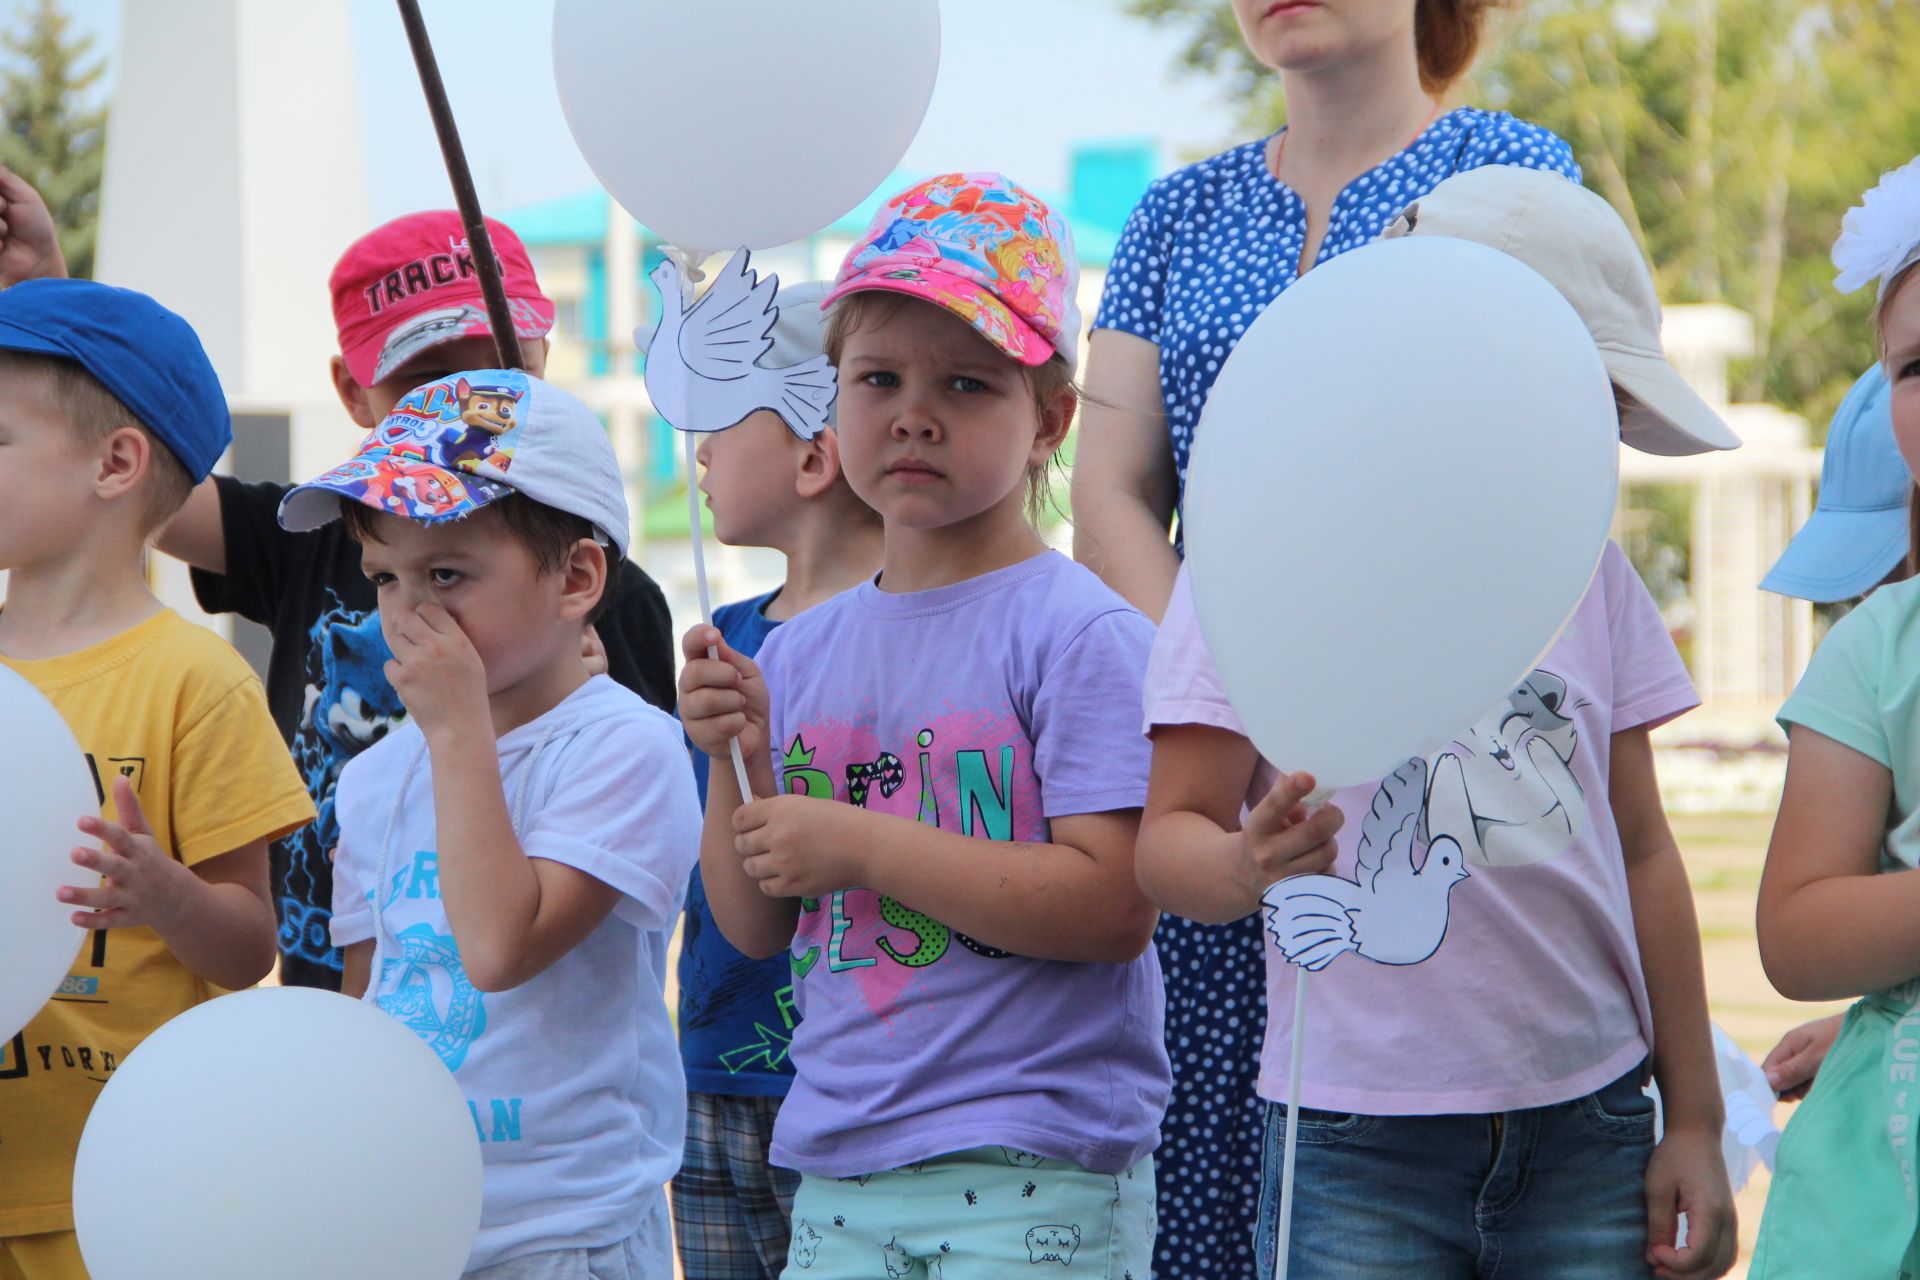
point(512, 860)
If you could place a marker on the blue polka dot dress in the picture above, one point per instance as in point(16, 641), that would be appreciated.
point(1205, 251)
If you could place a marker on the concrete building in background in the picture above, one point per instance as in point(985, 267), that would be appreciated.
point(231, 185)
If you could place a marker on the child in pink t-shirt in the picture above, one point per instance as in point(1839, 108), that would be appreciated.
point(1471, 1093)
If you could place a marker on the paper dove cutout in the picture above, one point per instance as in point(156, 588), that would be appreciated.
point(1750, 1136)
point(703, 371)
point(1391, 912)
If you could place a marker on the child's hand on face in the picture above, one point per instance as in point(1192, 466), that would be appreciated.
point(1283, 838)
point(721, 698)
point(438, 674)
point(143, 885)
point(798, 846)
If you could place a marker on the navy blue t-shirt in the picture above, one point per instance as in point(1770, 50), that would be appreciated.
point(736, 1014)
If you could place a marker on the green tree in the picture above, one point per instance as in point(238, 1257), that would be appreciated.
point(50, 132)
point(1730, 134)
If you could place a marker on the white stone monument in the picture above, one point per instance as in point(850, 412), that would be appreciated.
point(234, 178)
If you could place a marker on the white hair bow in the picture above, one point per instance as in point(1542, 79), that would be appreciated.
point(1880, 237)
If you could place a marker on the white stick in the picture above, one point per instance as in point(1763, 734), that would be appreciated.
point(706, 601)
point(1285, 1233)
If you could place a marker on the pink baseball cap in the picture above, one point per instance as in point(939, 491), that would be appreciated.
point(983, 247)
point(410, 285)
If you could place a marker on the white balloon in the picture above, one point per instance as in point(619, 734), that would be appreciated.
point(282, 1132)
point(754, 122)
point(44, 790)
point(1400, 490)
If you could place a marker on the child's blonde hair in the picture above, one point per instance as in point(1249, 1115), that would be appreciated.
point(92, 413)
point(1046, 382)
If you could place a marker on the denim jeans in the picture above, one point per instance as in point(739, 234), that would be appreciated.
point(1551, 1193)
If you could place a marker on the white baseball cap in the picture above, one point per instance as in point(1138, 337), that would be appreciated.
point(1580, 244)
point(454, 445)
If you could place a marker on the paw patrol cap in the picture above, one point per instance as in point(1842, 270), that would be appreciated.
point(452, 446)
point(1858, 532)
point(983, 247)
point(409, 285)
point(1576, 240)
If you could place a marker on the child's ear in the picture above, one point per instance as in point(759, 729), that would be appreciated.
point(819, 464)
point(585, 577)
point(353, 396)
point(1055, 420)
point(125, 457)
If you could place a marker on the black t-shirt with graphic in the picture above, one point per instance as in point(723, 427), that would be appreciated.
point(327, 686)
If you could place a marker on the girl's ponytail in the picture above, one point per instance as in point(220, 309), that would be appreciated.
point(1447, 35)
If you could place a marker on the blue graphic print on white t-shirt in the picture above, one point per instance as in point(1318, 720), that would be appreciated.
point(572, 1078)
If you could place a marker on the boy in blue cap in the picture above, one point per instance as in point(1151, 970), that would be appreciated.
point(109, 414)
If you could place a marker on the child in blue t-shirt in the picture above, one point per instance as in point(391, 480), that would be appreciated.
point(766, 487)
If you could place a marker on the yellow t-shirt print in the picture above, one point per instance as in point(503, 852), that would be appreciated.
point(173, 709)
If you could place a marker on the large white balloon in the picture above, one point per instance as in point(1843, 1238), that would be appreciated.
point(1400, 490)
point(753, 122)
point(282, 1132)
point(44, 790)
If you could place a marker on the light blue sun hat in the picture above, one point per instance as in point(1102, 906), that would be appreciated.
point(1858, 531)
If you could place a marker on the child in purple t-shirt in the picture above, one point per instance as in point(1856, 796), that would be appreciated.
point(979, 1070)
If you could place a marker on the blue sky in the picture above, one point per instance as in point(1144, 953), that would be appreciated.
point(1112, 77)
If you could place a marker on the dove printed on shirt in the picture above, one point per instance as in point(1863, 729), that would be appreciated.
point(703, 372)
point(1502, 794)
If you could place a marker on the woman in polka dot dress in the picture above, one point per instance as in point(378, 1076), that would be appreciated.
point(1208, 248)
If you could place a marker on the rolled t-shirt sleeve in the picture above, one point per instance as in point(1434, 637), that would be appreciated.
point(1136, 289)
point(1086, 752)
point(256, 546)
point(233, 783)
point(1650, 682)
point(1182, 684)
point(1840, 694)
point(619, 805)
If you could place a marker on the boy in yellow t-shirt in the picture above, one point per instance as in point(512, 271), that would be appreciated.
point(109, 414)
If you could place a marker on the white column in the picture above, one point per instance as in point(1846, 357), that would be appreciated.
point(234, 178)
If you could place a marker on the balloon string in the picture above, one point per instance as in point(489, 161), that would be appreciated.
point(1285, 1232)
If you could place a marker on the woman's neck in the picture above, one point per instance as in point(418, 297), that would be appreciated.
point(923, 559)
point(1344, 120)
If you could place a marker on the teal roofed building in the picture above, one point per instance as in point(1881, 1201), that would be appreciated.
point(582, 252)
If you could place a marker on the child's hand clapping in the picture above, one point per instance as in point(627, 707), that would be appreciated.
point(721, 698)
point(1282, 837)
point(141, 885)
point(438, 674)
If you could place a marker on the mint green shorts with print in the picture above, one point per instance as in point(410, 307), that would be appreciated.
point(982, 1214)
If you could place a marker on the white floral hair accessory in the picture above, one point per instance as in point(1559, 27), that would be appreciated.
point(1880, 237)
